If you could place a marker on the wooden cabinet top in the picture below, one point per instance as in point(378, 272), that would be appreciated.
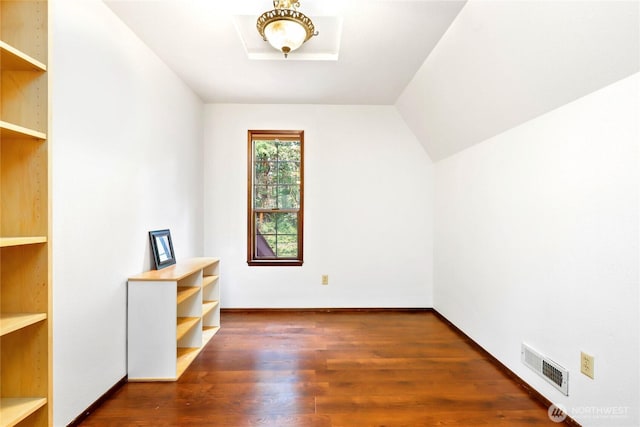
point(179, 270)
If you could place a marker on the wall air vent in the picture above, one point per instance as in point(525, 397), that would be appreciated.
point(553, 373)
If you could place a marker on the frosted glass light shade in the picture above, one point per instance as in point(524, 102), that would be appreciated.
point(285, 35)
point(284, 27)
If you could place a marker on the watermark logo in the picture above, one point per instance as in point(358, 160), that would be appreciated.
point(557, 413)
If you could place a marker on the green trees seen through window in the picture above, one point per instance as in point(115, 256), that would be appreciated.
point(275, 199)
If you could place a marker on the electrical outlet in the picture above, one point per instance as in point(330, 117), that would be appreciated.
point(586, 364)
point(325, 279)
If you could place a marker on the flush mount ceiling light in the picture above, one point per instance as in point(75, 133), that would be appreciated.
point(284, 27)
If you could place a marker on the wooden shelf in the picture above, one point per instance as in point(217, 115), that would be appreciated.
point(208, 306)
point(14, 410)
point(175, 272)
point(19, 241)
point(207, 280)
point(25, 257)
point(208, 332)
point(16, 60)
point(11, 322)
point(184, 358)
point(185, 292)
point(11, 131)
point(185, 324)
point(187, 355)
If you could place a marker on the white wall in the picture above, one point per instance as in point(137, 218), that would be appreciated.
point(368, 208)
point(504, 62)
point(127, 146)
point(536, 241)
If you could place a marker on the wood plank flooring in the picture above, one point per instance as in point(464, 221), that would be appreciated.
point(329, 370)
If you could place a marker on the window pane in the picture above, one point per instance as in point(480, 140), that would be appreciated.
point(288, 196)
point(265, 172)
point(265, 197)
point(276, 234)
point(287, 246)
point(266, 223)
point(289, 150)
point(287, 223)
point(265, 150)
point(268, 250)
point(288, 173)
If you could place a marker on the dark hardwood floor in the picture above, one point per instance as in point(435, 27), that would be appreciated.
point(330, 369)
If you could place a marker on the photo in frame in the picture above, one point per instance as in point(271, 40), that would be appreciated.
point(162, 248)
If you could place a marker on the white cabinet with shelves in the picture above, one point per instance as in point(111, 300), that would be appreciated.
point(172, 315)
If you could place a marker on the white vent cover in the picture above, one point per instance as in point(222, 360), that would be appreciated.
point(555, 374)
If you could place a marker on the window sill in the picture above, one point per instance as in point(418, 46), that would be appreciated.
point(275, 263)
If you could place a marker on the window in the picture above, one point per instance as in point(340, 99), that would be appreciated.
point(275, 197)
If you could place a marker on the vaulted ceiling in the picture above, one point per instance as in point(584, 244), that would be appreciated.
point(373, 48)
point(459, 72)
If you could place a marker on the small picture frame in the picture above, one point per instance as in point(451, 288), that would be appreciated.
point(162, 248)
